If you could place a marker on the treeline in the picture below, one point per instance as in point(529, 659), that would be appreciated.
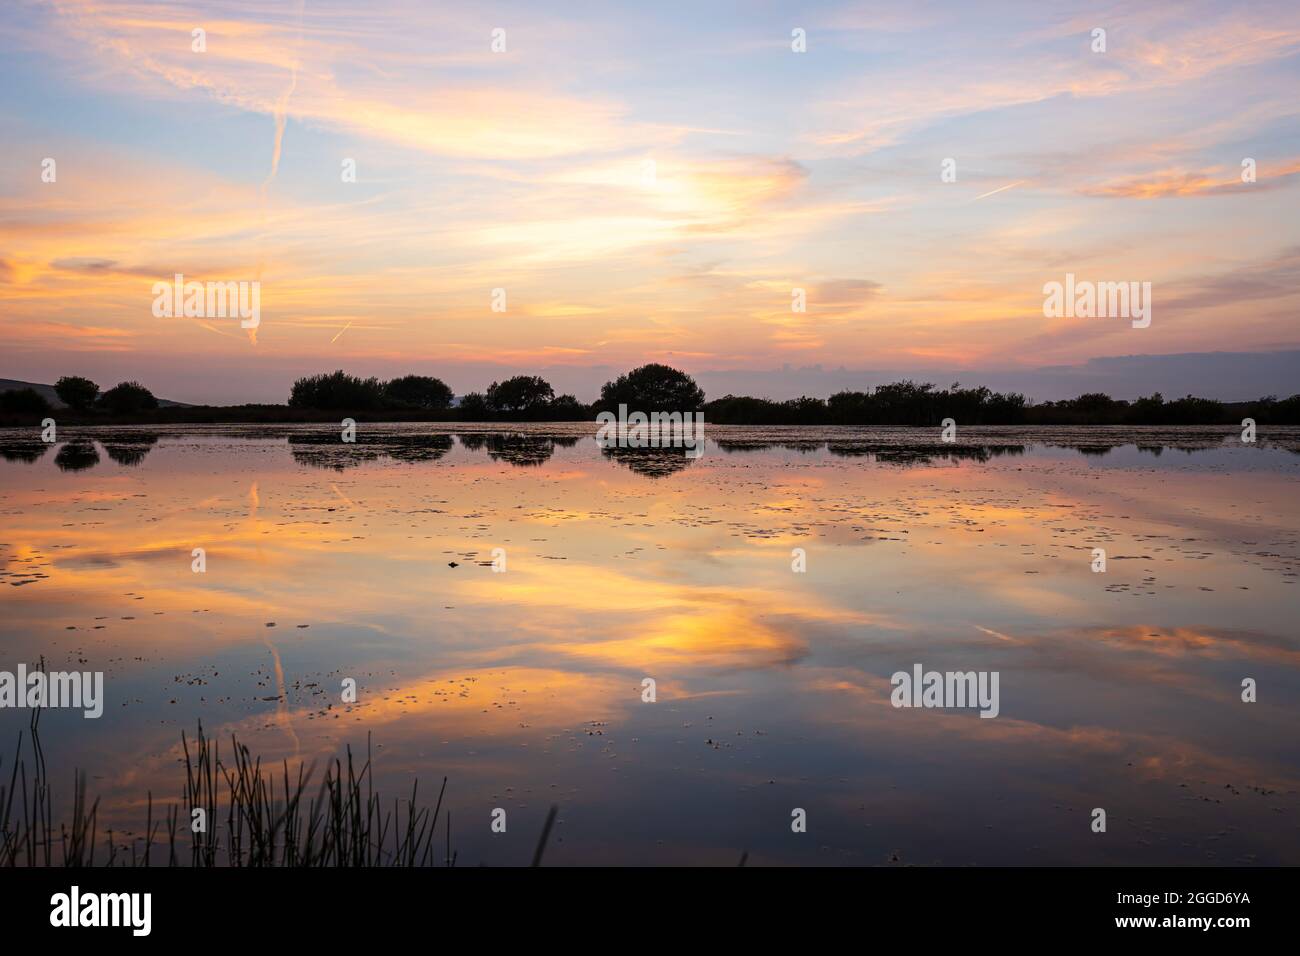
point(82, 396)
point(521, 398)
point(647, 389)
point(909, 403)
point(899, 403)
point(662, 388)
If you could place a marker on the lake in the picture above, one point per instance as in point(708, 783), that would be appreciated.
point(500, 595)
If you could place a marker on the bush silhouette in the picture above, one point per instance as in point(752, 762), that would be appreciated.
point(336, 390)
point(128, 397)
point(24, 401)
point(76, 392)
point(418, 391)
point(473, 405)
point(523, 393)
point(652, 388)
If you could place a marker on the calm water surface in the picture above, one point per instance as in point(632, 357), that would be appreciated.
point(1119, 690)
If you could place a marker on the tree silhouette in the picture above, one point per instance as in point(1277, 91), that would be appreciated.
point(128, 397)
point(336, 390)
point(523, 393)
point(76, 392)
point(652, 388)
point(418, 391)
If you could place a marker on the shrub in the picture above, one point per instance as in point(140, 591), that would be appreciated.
point(336, 390)
point(128, 398)
point(566, 408)
point(473, 407)
point(24, 401)
point(76, 392)
point(523, 393)
point(418, 391)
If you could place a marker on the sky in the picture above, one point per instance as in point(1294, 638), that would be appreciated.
point(649, 182)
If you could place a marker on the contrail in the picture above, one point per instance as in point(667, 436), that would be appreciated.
point(341, 331)
point(211, 328)
point(283, 716)
point(281, 116)
point(998, 634)
point(998, 190)
point(282, 107)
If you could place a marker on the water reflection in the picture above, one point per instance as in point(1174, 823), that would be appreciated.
point(924, 454)
point(651, 462)
point(326, 449)
point(522, 450)
point(329, 450)
point(81, 453)
point(23, 450)
point(131, 451)
point(77, 456)
point(757, 444)
point(524, 688)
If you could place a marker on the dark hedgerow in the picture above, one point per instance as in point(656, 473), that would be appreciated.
point(24, 401)
point(655, 387)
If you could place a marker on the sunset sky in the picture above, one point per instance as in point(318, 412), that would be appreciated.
point(648, 182)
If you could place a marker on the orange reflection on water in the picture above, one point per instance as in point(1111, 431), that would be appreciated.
point(325, 563)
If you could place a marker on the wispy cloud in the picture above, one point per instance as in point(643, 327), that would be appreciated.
point(1180, 184)
point(638, 197)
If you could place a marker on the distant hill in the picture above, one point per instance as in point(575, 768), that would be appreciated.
point(10, 384)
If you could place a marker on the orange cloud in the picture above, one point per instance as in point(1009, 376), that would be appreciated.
point(1179, 184)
